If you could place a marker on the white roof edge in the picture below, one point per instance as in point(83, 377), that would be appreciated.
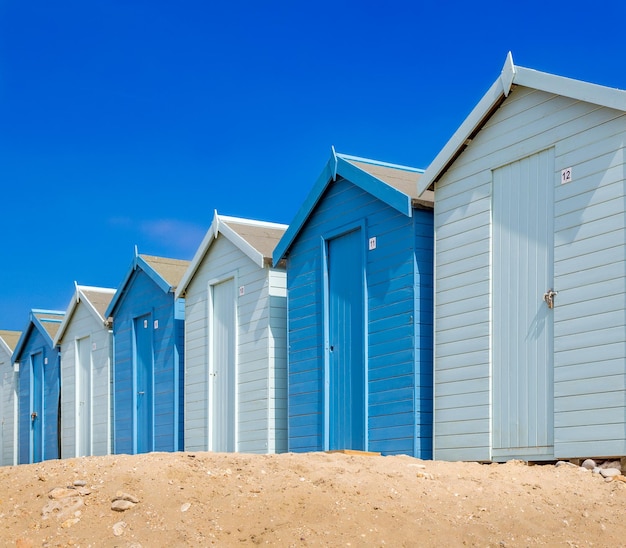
point(378, 163)
point(568, 87)
point(96, 289)
point(4, 345)
point(74, 303)
point(219, 225)
point(512, 74)
point(460, 136)
point(251, 222)
point(210, 235)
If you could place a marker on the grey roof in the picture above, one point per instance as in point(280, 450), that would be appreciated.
point(99, 299)
point(401, 179)
point(260, 237)
point(10, 338)
point(171, 270)
point(50, 321)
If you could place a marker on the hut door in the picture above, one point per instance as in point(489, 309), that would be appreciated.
point(36, 406)
point(83, 353)
point(223, 380)
point(346, 368)
point(144, 380)
point(522, 321)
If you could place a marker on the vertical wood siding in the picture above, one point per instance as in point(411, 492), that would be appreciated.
point(84, 324)
point(145, 297)
point(589, 324)
point(260, 359)
point(398, 393)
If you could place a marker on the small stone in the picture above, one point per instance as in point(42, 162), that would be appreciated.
point(612, 464)
point(80, 483)
point(589, 464)
point(609, 472)
point(121, 505)
point(565, 463)
point(62, 493)
point(63, 508)
point(83, 491)
point(69, 522)
point(118, 528)
point(120, 495)
point(596, 470)
point(185, 507)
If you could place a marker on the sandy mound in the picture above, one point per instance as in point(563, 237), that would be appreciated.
point(200, 499)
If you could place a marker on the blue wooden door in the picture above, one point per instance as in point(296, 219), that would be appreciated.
point(346, 353)
point(144, 384)
point(523, 263)
point(223, 364)
point(37, 407)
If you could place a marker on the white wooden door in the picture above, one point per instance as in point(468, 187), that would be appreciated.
point(222, 395)
point(83, 383)
point(523, 265)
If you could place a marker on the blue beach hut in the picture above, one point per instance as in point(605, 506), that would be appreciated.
point(39, 396)
point(148, 331)
point(359, 290)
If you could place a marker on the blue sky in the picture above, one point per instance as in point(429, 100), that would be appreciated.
point(127, 123)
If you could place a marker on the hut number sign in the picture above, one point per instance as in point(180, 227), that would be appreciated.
point(566, 175)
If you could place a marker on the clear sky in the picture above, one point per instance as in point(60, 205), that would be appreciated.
point(127, 122)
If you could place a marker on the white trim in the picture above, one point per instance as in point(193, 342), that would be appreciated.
point(219, 225)
point(511, 74)
point(73, 304)
point(232, 275)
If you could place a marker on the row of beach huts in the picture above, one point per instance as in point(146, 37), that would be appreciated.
point(472, 311)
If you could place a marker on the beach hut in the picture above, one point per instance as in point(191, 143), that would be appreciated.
point(37, 361)
point(530, 273)
point(235, 340)
point(148, 359)
point(359, 285)
point(85, 340)
point(8, 398)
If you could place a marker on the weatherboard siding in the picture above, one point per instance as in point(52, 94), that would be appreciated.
point(260, 378)
point(84, 324)
point(144, 297)
point(393, 270)
point(589, 274)
point(8, 403)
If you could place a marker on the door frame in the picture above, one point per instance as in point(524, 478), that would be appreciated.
point(210, 361)
point(325, 239)
point(78, 383)
point(539, 452)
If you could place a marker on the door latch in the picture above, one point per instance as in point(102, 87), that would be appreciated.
point(33, 415)
point(548, 296)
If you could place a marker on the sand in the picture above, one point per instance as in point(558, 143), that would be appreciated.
point(316, 499)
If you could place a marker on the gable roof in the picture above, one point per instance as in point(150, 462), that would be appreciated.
point(256, 239)
point(164, 272)
point(393, 184)
point(8, 340)
point(515, 75)
point(47, 322)
point(96, 299)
